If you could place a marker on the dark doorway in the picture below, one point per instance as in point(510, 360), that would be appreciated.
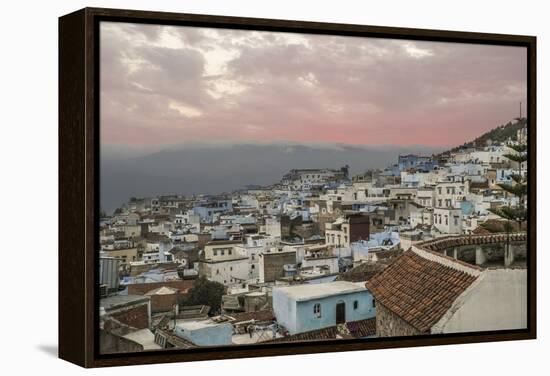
point(340, 313)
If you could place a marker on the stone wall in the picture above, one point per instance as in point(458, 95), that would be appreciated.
point(164, 303)
point(388, 324)
point(359, 228)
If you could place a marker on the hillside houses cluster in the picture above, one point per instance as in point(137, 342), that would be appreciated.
point(406, 250)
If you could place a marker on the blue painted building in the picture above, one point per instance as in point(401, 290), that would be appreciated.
point(419, 162)
point(467, 207)
point(302, 308)
point(207, 210)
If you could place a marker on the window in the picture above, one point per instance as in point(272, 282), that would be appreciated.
point(222, 252)
point(229, 252)
point(231, 268)
point(355, 304)
point(253, 266)
point(215, 252)
point(373, 303)
point(317, 310)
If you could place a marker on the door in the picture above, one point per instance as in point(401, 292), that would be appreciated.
point(340, 313)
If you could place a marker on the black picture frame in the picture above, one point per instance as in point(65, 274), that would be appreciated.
point(79, 185)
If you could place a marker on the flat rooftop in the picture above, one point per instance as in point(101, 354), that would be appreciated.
point(119, 301)
point(199, 324)
point(320, 290)
point(144, 337)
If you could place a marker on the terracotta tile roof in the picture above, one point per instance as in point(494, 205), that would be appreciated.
point(362, 272)
point(420, 286)
point(353, 329)
point(480, 231)
point(387, 254)
point(443, 243)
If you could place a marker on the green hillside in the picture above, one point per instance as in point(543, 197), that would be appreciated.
point(499, 134)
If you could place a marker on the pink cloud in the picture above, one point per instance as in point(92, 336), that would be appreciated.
point(171, 85)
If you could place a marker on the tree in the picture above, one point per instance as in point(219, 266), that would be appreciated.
point(518, 188)
point(205, 292)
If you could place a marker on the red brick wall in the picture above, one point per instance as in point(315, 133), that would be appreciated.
point(137, 317)
point(359, 228)
point(163, 303)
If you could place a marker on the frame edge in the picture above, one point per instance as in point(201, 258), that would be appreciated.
point(71, 275)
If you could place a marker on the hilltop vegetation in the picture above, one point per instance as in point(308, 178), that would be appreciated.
point(499, 134)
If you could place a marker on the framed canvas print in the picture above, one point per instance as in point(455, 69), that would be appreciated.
point(236, 187)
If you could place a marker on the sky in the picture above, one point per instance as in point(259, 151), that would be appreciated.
point(172, 85)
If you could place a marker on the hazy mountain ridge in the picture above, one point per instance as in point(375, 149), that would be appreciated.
point(213, 169)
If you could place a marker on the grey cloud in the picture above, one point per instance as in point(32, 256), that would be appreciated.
point(374, 83)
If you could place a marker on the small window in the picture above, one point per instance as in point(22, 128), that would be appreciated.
point(253, 266)
point(373, 303)
point(229, 252)
point(231, 268)
point(355, 304)
point(317, 310)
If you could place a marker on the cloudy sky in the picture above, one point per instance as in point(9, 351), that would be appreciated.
point(170, 85)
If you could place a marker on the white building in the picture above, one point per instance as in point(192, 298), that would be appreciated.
point(448, 220)
point(273, 227)
point(226, 263)
point(449, 194)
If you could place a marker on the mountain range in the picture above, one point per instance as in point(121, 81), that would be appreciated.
point(211, 168)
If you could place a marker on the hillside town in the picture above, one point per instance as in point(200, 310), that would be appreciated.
point(432, 244)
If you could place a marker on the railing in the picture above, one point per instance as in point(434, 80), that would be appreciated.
point(446, 242)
